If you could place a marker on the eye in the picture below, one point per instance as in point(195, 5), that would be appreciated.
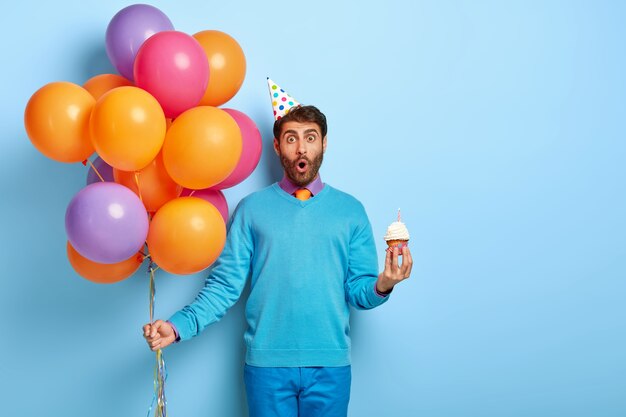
point(310, 138)
point(290, 139)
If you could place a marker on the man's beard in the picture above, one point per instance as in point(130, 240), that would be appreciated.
point(302, 178)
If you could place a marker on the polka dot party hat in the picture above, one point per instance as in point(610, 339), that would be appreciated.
point(281, 101)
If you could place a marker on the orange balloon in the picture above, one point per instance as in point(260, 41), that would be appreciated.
point(152, 184)
point(127, 128)
point(202, 147)
point(227, 66)
point(102, 83)
point(103, 273)
point(186, 235)
point(57, 121)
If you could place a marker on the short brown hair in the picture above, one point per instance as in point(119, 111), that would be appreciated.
point(302, 114)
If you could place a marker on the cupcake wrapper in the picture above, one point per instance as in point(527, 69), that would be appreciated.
point(397, 243)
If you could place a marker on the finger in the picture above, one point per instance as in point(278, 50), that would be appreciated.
point(407, 262)
point(155, 337)
point(388, 259)
point(161, 344)
point(152, 339)
point(156, 326)
point(394, 260)
point(146, 330)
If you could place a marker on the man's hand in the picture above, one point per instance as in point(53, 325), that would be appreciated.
point(393, 272)
point(159, 334)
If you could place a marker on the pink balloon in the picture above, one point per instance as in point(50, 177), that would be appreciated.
point(250, 151)
point(215, 197)
point(173, 67)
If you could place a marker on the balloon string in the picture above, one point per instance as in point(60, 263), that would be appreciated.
point(160, 370)
point(138, 187)
point(191, 193)
point(95, 170)
point(152, 289)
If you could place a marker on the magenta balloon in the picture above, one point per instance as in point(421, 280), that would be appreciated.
point(250, 151)
point(173, 67)
point(215, 197)
point(106, 222)
point(105, 170)
point(128, 30)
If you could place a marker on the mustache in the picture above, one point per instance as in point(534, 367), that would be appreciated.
point(302, 158)
point(294, 162)
point(289, 163)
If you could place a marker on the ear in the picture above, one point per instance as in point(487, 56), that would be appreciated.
point(276, 147)
point(324, 143)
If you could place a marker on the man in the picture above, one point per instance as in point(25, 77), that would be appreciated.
point(309, 251)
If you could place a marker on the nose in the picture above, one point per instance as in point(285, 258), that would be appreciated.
point(301, 147)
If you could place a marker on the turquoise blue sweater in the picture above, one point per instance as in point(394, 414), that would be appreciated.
point(306, 260)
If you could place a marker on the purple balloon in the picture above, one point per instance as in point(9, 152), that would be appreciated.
point(104, 169)
point(106, 222)
point(128, 30)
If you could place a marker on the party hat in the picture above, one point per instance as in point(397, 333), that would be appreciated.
point(281, 101)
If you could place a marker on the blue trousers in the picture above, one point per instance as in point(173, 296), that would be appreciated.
point(298, 392)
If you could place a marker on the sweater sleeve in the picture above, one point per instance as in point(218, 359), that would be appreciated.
point(360, 283)
point(223, 286)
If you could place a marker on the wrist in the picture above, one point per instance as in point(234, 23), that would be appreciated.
point(382, 288)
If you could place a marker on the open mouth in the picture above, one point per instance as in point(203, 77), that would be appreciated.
point(302, 165)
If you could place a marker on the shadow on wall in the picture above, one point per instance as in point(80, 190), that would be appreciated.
point(269, 160)
point(269, 165)
point(96, 61)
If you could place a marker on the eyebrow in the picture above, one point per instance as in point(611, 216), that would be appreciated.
point(295, 133)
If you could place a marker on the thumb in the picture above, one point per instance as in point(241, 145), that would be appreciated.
point(156, 327)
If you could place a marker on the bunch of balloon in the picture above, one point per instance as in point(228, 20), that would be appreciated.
point(164, 151)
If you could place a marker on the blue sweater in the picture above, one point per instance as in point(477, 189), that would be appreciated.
point(306, 260)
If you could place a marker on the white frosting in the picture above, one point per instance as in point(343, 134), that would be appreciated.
point(397, 231)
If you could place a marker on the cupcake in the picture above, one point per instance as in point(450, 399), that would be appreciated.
point(397, 234)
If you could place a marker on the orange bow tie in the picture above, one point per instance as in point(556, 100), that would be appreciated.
point(302, 194)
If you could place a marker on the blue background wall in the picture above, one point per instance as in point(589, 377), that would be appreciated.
point(497, 127)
